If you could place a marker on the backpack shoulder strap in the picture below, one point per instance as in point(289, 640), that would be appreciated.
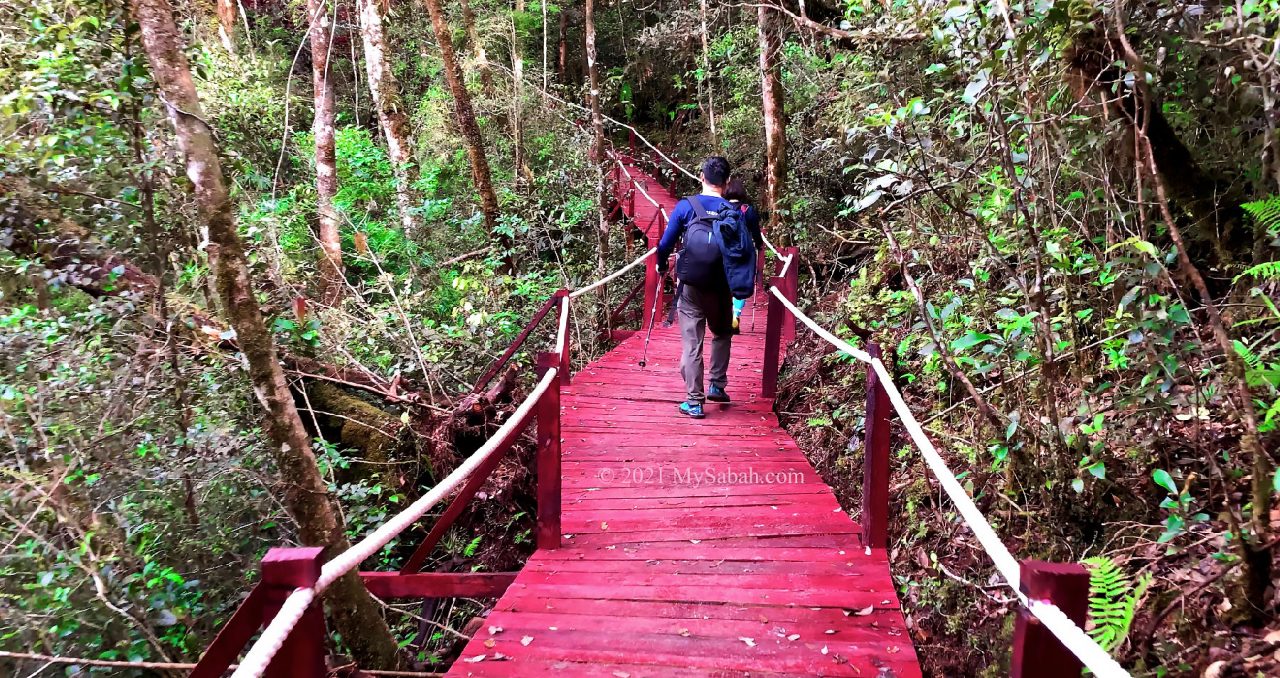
point(696, 204)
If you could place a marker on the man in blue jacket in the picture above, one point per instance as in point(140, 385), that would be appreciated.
point(706, 303)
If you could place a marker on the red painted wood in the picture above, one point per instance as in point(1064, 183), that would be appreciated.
point(234, 636)
point(790, 287)
point(548, 461)
point(875, 472)
point(303, 653)
point(1036, 651)
point(651, 289)
point(772, 342)
point(438, 584)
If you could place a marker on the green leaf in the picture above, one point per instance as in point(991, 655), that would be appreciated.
point(1163, 479)
point(970, 340)
point(1078, 485)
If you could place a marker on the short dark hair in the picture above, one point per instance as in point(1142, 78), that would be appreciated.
point(735, 190)
point(715, 170)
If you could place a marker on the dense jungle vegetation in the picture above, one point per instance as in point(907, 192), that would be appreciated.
point(256, 255)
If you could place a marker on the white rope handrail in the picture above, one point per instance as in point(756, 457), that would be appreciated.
point(1070, 635)
point(562, 334)
point(773, 249)
point(259, 656)
point(638, 260)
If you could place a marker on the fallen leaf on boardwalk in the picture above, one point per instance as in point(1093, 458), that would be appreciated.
point(794, 636)
point(526, 640)
point(604, 526)
point(894, 650)
point(749, 641)
point(695, 541)
point(499, 657)
point(683, 632)
point(554, 628)
point(490, 643)
point(475, 660)
point(764, 619)
point(829, 631)
point(860, 613)
point(493, 630)
point(621, 674)
point(824, 649)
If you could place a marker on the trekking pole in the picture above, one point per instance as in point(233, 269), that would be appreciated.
point(653, 320)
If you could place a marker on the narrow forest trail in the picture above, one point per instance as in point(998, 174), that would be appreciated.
point(691, 548)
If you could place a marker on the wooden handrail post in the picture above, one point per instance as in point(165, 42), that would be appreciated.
point(772, 341)
point(548, 464)
point(1036, 651)
point(790, 290)
point(652, 290)
point(875, 469)
point(303, 652)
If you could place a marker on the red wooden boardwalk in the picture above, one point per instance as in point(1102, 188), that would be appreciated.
point(691, 548)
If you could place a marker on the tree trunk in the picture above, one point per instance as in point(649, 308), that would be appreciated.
point(563, 58)
point(520, 166)
point(477, 47)
point(598, 153)
point(306, 496)
point(705, 81)
point(391, 114)
point(331, 275)
point(465, 117)
point(775, 130)
point(227, 24)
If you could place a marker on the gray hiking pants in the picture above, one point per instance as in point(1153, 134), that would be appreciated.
point(699, 309)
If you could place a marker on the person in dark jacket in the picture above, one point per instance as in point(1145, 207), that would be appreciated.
point(736, 193)
point(708, 305)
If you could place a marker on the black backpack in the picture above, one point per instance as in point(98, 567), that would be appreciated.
point(700, 263)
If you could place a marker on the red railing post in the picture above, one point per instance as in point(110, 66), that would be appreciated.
point(548, 464)
point(772, 340)
point(652, 288)
point(1036, 651)
point(875, 468)
point(302, 654)
point(792, 287)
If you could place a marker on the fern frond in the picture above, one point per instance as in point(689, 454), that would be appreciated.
point(1267, 270)
point(1266, 211)
point(1113, 601)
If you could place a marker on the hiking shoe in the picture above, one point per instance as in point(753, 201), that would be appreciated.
point(692, 409)
point(717, 395)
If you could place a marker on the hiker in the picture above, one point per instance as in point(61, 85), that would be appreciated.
point(711, 272)
point(736, 193)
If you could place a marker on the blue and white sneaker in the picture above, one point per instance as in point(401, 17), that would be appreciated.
point(717, 395)
point(692, 410)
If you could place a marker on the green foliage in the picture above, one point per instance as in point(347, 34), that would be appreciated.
point(1113, 601)
point(1266, 212)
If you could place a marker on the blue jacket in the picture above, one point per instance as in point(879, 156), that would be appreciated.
point(737, 275)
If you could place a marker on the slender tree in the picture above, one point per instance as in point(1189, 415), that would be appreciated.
point(562, 58)
point(465, 117)
point(227, 24)
point(391, 113)
point(477, 47)
point(521, 166)
point(775, 129)
point(331, 273)
point(306, 495)
point(598, 152)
